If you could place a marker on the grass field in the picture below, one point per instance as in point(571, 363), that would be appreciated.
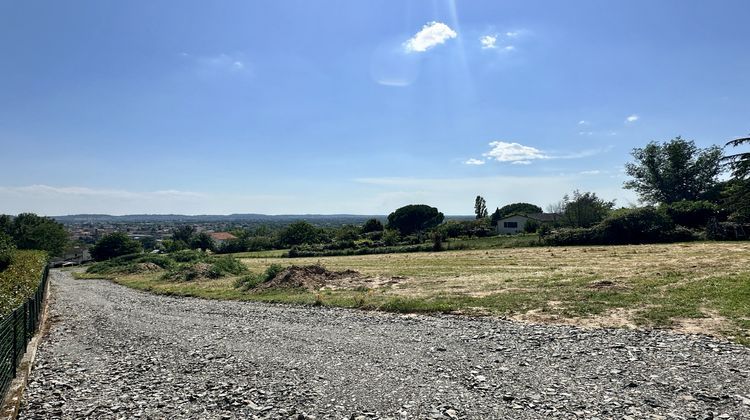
point(693, 287)
point(20, 280)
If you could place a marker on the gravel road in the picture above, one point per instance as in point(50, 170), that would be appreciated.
point(113, 352)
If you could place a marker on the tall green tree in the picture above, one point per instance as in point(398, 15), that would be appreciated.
point(736, 194)
point(298, 233)
point(114, 245)
point(203, 241)
point(673, 171)
point(30, 231)
point(584, 209)
point(183, 233)
point(521, 208)
point(414, 218)
point(480, 207)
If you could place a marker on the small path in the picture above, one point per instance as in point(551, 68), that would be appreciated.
point(113, 352)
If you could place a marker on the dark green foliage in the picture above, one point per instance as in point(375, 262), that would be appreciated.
point(496, 216)
point(183, 233)
point(736, 200)
point(148, 243)
point(372, 225)
point(584, 209)
point(188, 255)
point(414, 218)
point(531, 226)
point(347, 233)
point(437, 241)
point(298, 233)
point(251, 281)
point(480, 207)
point(627, 226)
point(115, 245)
point(30, 231)
point(390, 237)
point(6, 250)
point(171, 245)
point(693, 214)
point(674, 171)
point(642, 225)
point(226, 265)
point(516, 208)
point(203, 241)
point(739, 162)
point(130, 264)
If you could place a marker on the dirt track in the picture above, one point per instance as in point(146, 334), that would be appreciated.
point(117, 353)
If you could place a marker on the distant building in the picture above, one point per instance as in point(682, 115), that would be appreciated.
point(221, 237)
point(515, 223)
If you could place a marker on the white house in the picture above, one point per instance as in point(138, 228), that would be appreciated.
point(515, 223)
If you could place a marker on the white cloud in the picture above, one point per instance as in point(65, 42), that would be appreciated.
point(473, 161)
point(632, 118)
point(431, 35)
point(584, 122)
point(592, 172)
point(217, 63)
point(488, 42)
point(514, 152)
point(512, 34)
point(509, 48)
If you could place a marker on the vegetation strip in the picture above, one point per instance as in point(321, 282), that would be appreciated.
point(694, 287)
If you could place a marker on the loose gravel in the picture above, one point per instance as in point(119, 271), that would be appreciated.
point(116, 353)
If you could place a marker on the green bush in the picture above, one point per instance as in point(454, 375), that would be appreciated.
point(223, 266)
point(130, 264)
point(188, 255)
point(6, 250)
point(629, 226)
point(531, 226)
point(694, 214)
point(251, 281)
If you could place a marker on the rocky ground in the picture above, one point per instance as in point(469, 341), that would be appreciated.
point(113, 352)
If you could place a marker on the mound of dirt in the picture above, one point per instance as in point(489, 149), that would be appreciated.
point(147, 266)
point(311, 277)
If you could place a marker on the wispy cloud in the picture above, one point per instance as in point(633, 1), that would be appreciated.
point(513, 152)
point(473, 161)
point(41, 189)
point(218, 62)
point(584, 122)
point(632, 118)
point(488, 42)
point(431, 35)
point(519, 154)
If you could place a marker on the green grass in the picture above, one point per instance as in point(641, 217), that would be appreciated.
point(20, 280)
point(696, 287)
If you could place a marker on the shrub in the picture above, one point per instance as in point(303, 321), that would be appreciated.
point(251, 281)
point(531, 226)
point(695, 214)
point(6, 250)
point(226, 265)
point(187, 255)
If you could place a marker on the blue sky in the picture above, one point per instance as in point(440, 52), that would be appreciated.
point(353, 107)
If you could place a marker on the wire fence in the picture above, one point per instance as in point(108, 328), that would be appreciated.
point(16, 329)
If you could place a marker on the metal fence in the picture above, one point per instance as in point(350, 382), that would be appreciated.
point(16, 329)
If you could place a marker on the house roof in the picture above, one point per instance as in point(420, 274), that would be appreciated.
point(542, 217)
point(221, 236)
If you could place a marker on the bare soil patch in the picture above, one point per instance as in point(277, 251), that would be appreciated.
point(317, 277)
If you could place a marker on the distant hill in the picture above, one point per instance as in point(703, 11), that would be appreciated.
point(249, 217)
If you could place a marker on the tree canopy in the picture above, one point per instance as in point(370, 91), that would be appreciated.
point(674, 171)
point(372, 225)
point(30, 231)
point(480, 207)
point(114, 245)
point(414, 218)
point(584, 209)
point(298, 233)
